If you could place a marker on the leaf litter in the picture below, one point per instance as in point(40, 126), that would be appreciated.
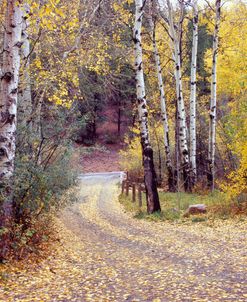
point(105, 255)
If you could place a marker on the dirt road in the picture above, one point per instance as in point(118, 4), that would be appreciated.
point(106, 255)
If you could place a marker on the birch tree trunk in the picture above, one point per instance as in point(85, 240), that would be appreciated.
point(177, 154)
point(24, 96)
point(183, 140)
point(170, 170)
point(193, 94)
point(212, 113)
point(8, 110)
point(150, 180)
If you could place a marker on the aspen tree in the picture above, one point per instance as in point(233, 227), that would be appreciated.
point(181, 115)
point(213, 100)
point(153, 204)
point(193, 92)
point(24, 96)
point(163, 107)
point(8, 109)
point(9, 87)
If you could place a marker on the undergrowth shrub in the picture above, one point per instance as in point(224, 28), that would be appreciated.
point(43, 177)
point(39, 188)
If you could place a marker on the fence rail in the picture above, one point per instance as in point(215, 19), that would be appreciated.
point(135, 189)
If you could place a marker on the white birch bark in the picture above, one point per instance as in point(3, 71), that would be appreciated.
point(163, 107)
point(183, 139)
point(140, 85)
point(9, 87)
point(149, 172)
point(213, 101)
point(193, 91)
point(24, 96)
point(8, 110)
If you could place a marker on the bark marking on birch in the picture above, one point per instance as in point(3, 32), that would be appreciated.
point(193, 91)
point(9, 87)
point(213, 100)
point(149, 170)
point(183, 139)
point(163, 107)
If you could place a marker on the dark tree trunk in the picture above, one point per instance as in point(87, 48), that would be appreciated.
point(160, 168)
point(210, 175)
point(119, 121)
point(186, 178)
point(150, 180)
point(159, 156)
point(94, 122)
point(171, 179)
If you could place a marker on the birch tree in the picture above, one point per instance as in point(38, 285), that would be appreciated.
point(153, 204)
point(175, 38)
point(8, 107)
point(213, 100)
point(24, 96)
point(163, 107)
point(193, 92)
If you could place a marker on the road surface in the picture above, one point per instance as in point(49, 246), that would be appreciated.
point(106, 255)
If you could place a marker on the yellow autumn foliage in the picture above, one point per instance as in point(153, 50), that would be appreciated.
point(237, 180)
point(131, 155)
point(232, 66)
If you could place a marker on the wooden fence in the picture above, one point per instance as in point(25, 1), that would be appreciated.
point(134, 189)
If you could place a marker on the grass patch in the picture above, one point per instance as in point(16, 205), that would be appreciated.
point(199, 218)
point(174, 205)
point(141, 213)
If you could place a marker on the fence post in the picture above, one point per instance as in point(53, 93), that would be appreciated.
point(127, 188)
point(123, 186)
point(140, 196)
point(133, 193)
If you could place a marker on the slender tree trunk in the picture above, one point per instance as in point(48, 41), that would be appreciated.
point(36, 118)
point(193, 95)
point(24, 96)
point(8, 110)
point(183, 140)
point(119, 118)
point(169, 167)
point(212, 113)
point(150, 180)
point(159, 181)
point(177, 153)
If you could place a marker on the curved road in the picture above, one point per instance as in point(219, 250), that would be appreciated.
point(106, 255)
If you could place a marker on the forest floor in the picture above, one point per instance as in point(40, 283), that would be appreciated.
point(106, 255)
point(105, 158)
